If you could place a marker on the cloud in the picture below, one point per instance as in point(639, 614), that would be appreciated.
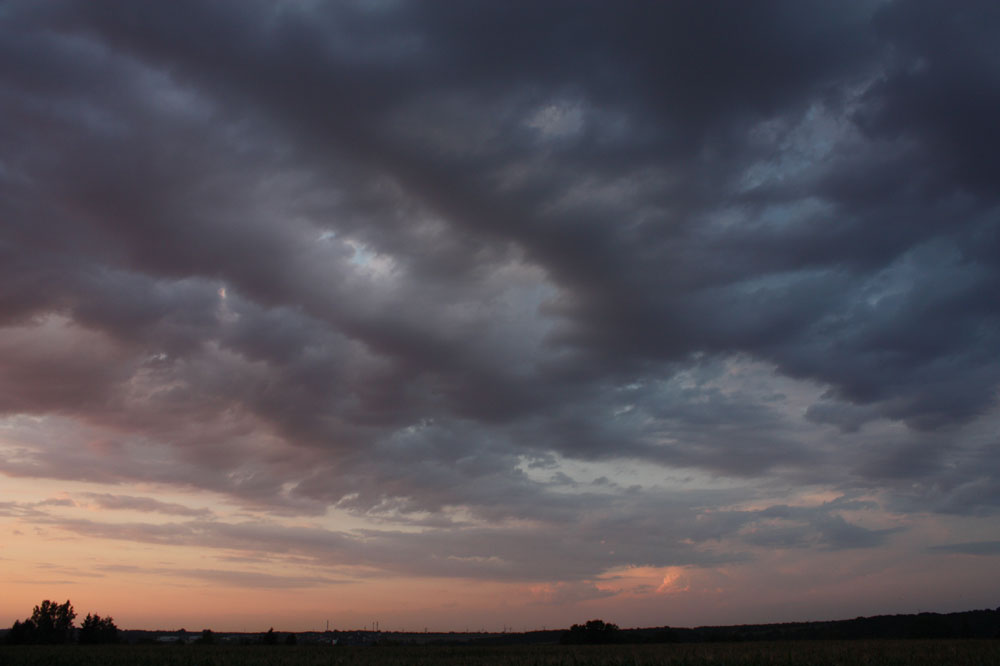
point(388, 260)
point(970, 548)
point(651, 530)
point(143, 504)
point(510, 554)
point(15, 509)
point(226, 577)
point(569, 593)
point(32, 509)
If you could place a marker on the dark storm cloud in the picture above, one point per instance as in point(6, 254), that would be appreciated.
point(388, 257)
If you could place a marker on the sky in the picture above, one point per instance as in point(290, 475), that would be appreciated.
point(473, 315)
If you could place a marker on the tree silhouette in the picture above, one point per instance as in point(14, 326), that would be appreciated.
point(22, 633)
point(96, 629)
point(53, 622)
point(593, 632)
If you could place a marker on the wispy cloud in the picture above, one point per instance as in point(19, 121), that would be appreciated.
point(143, 504)
point(970, 548)
point(227, 577)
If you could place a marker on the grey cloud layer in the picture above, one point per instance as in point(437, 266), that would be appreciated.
point(606, 534)
point(383, 257)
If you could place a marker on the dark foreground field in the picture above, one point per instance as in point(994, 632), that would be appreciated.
point(843, 653)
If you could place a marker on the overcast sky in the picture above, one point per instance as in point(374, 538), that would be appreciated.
point(502, 313)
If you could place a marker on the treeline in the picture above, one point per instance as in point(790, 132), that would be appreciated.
point(270, 637)
point(967, 624)
point(594, 632)
point(53, 624)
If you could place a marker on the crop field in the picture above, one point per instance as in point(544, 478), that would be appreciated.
point(803, 653)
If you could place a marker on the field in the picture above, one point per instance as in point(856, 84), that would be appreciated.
point(799, 653)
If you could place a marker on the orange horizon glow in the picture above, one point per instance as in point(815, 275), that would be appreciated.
point(147, 586)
